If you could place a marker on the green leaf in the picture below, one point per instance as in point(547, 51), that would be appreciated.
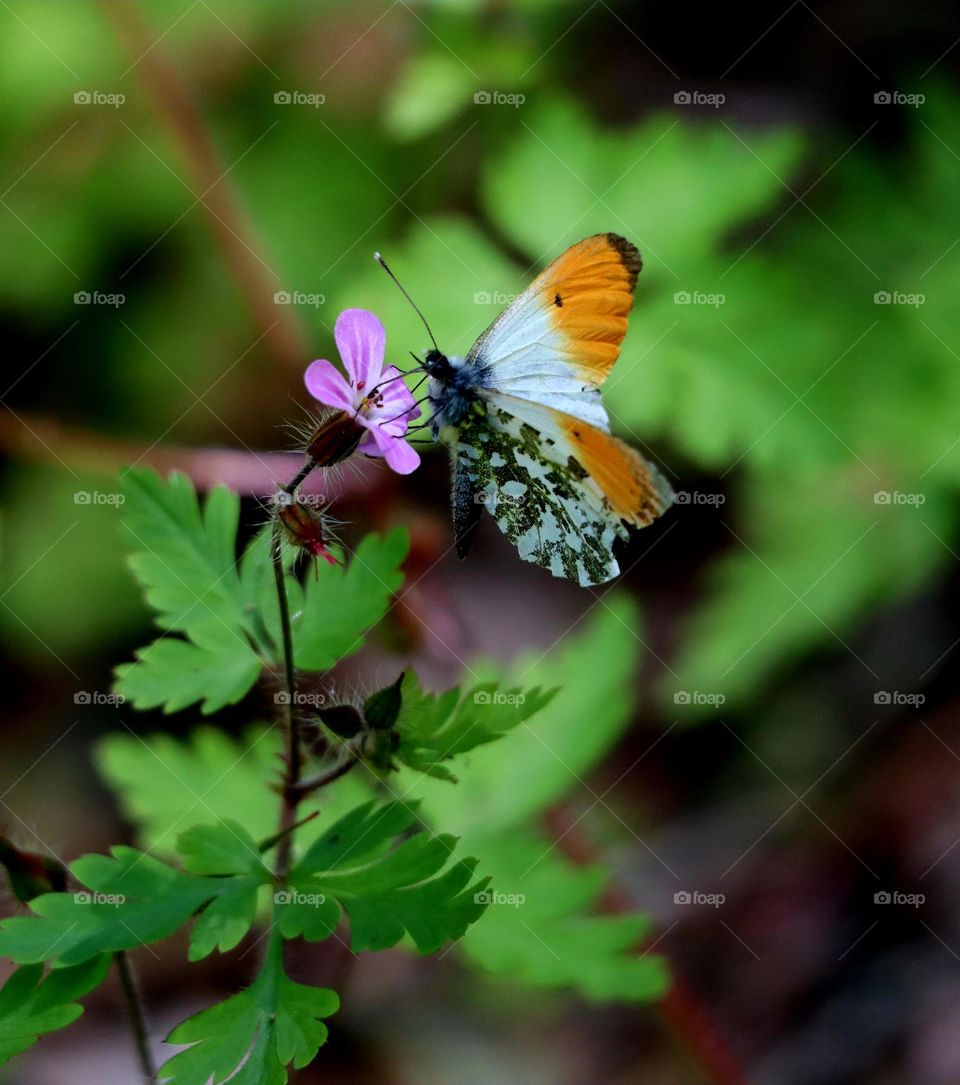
point(549, 756)
point(431, 89)
point(185, 557)
point(343, 603)
point(175, 673)
point(224, 848)
point(31, 1005)
point(132, 899)
point(434, 729)
point(540, 930)
point(161, 781)
point(385, 893)
point(252, 1037)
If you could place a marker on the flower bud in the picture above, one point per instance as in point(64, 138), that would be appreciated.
point(335, 439)
point(382, 708)
point(343, 719)
point(305, 528)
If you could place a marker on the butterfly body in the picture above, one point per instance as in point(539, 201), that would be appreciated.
point(525, 422)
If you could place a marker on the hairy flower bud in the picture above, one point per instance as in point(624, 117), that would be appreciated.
point(382, 708)
point(306, 528)
point(343, 719)
point(335, 439)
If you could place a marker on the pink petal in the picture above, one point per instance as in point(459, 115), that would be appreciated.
point(361, 341)
point(402, 457)
point(368, 444)
point(398, 454)
point(325, 383)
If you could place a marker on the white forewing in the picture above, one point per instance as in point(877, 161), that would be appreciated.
point(526, 357)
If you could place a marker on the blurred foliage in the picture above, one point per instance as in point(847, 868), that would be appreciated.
point(501, 789)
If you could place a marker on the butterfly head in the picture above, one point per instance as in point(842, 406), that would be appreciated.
point(438, 365)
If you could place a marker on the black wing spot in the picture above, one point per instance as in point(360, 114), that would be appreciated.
point(558, 301)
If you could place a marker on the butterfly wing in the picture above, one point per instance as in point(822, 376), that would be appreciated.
point(560, 489)
point(557, 342)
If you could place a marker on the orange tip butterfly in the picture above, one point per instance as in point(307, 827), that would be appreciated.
point(529, 436)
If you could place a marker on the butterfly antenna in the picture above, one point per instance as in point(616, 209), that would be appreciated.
point(383, 263)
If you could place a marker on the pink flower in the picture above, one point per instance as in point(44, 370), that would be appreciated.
point(375, 395)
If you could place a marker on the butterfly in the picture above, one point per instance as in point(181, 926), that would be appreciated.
point(527, 429)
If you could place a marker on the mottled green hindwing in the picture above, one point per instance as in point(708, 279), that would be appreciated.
point(543, 502)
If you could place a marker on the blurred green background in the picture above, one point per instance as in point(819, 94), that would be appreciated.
point(191, 193)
